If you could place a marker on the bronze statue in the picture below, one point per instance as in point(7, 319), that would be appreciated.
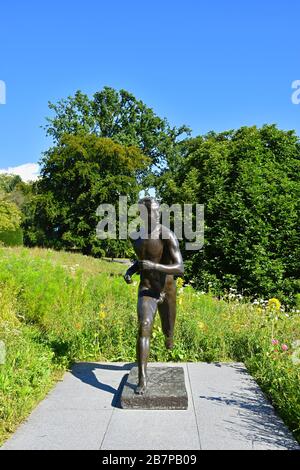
point(159, 259)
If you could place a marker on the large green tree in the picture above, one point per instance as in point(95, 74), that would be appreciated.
point(249, 182)
point(118, 115)
point(104, 147)
point(78, 174)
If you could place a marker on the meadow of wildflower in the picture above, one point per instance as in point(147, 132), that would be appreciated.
point(58, 307)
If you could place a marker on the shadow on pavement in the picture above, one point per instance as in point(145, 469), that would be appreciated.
point(84, 371)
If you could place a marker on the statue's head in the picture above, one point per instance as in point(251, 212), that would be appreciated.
point(153, 211)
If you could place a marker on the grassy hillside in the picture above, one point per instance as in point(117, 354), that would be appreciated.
point(57, 307)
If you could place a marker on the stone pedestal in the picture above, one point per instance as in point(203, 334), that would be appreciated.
point(165, 390)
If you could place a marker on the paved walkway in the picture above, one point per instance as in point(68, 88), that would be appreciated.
point(226, 410)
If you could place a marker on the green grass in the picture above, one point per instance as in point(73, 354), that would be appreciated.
point(57, 307)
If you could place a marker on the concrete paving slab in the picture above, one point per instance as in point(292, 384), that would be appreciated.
point(76, 413)
point(226, 410)
point(152, 429)
point(232, 412)
point(89, 386)
point(61, 430)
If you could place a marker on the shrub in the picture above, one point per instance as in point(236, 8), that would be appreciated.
point(249, 182)
point(12, 237)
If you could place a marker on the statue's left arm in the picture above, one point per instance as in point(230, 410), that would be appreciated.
point(175, 268)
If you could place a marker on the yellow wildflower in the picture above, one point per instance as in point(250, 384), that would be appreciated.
point(274, 304)
point(102, 315)
point(201, 325)
point(179, 282)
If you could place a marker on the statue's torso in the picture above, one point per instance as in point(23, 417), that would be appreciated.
point(157, 251)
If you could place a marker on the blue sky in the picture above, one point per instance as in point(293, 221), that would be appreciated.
point(213, 65)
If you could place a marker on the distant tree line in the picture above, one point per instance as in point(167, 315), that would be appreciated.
point(113, 144)
point(12, 199)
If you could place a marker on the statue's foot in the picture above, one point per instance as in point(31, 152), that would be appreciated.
point(169, 342)
point(141, 387)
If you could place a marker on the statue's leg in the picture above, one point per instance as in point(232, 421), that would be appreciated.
point(167, 312)
point(147, 307)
